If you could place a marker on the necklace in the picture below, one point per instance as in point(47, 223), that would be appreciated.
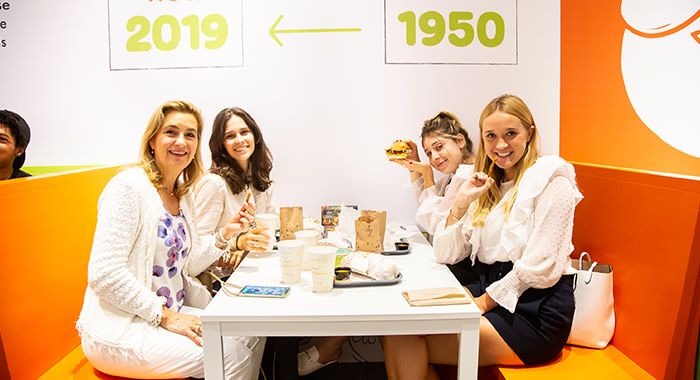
point(166, 192)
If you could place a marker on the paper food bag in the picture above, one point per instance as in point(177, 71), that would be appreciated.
point(291, 221)
point(369, 231)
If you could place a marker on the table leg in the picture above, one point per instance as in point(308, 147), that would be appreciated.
point(469, 350)
point(213, 351)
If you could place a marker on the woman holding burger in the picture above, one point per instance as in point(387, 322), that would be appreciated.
point(449, 151)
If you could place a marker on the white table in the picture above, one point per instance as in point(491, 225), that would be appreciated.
point(377, 310)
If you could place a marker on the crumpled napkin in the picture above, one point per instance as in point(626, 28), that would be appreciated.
point(371, 265)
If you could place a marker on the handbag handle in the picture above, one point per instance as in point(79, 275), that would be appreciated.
point(590, 270)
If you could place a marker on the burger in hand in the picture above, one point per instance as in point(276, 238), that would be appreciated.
point(398, 150)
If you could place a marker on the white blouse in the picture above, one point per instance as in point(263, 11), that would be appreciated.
point(535, 237)
point(215, 204)
point(434, 203)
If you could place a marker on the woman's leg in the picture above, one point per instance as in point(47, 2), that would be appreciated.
point(492, 348)
point(325, 351)
point(444, 349)
point(406, 358)
point(173, 355)
point(330, 348)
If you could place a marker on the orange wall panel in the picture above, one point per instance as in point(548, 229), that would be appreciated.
point(598, 123)
point(646, 226)
point(47, 226)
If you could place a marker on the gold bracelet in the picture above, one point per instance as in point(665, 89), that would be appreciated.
point(453, 216)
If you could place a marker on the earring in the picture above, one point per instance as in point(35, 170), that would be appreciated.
point(152, 152)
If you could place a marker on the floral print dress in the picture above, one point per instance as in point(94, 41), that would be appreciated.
point(172, 248)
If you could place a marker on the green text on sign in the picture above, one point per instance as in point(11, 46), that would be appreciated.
point(433, 25)
point(213, 26)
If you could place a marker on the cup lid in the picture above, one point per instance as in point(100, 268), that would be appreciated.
point(322, 249)
point(307, 233)
point(290, 243)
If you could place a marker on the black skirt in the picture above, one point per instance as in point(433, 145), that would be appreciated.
point(540, 326)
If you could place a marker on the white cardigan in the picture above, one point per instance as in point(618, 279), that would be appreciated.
point(535, 237)
point(119, 302)
point(434, 203)
point(215, 204)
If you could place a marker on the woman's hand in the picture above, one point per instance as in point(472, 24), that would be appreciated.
point(240, 222)
point(413, 154)
point(412, 160)
point(485, 303)
point(183, 324)
point(476, 185)
point(232, 261)
point(467, 193)
point(415, 166)
point(255, 240)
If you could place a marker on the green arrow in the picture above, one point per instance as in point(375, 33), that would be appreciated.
point(274, 32)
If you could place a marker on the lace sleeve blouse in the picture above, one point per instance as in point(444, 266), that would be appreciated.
point(536, 236)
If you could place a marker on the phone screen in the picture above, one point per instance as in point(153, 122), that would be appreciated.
point(265, 291)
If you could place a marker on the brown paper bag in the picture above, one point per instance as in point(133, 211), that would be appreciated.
point(369, 231)
point(291, 221)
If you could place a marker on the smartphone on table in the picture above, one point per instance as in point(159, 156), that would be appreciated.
point(264, 291)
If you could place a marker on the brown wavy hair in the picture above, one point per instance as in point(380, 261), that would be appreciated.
point(148, 162)
point(446, 124)
point(222, 164)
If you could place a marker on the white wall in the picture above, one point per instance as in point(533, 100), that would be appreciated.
point(327, 103)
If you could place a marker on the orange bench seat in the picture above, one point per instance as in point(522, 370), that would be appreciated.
point(75, 366)
point(578, 363)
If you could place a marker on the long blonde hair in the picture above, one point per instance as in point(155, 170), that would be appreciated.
point(148, 161)
point(511, 105)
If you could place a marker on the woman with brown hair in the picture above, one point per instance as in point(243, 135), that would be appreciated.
point(449, 151)
point(241, 163)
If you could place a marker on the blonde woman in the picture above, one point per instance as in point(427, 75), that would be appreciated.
point(140, 312)
point(511, 232)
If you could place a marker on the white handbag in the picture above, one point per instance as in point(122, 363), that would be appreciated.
point(594, 318)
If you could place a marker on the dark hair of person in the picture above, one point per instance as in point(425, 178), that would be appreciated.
point(446, 124)
point(260, 162)
point(19, 130)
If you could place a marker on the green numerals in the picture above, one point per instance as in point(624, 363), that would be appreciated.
point(481, 29)
point(167, 31)
point(134, 42)
point(433, 25)
point(215, 27)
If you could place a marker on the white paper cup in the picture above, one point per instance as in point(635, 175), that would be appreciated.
point(322, 260)
point(290, 252)
point(310, 239)
point(270, 222)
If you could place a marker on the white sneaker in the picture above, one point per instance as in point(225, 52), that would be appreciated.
point(307, 361)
